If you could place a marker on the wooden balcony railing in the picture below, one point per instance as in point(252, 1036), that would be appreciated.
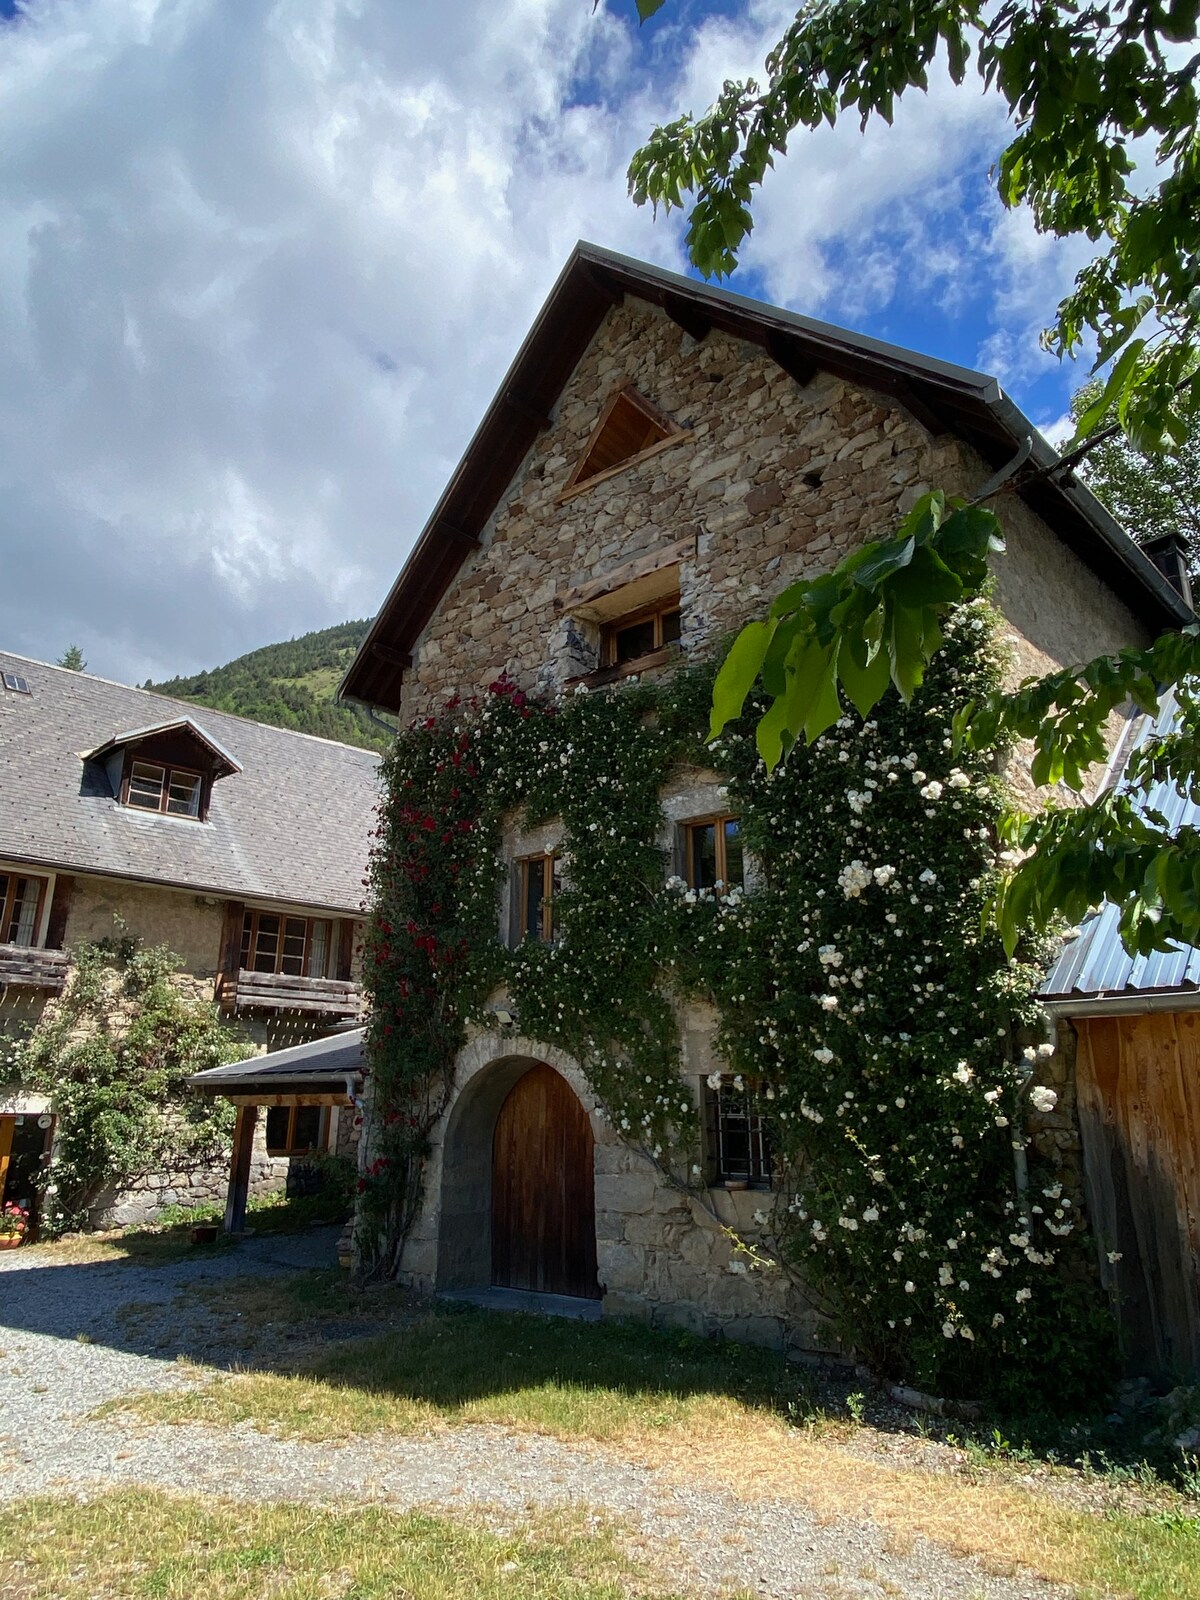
point(278, 991)
point(24, 968)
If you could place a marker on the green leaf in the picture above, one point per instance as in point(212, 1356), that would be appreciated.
point(647, 8)
point(738, 672)
point(865, 682)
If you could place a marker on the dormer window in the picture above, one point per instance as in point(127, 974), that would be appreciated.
point(169, 789)
point(168, 769)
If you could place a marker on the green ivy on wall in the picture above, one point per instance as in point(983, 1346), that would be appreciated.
point(861, 1006)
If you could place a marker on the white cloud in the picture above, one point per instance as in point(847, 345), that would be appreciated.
point(262, 264)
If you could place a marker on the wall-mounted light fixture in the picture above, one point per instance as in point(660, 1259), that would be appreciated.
point(506, 1018)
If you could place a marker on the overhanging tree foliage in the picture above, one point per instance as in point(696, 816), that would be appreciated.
point(1148, 494)
point(1086, 85)
point(1101, 95)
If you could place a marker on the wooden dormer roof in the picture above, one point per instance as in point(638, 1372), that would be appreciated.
point(216, 757)
point(942, 396)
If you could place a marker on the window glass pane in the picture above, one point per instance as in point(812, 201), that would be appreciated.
point(734, 868)
point(318, 951)
point(266, 946)
point(533, 878)
point(295, 930)
point(306, 1130)
point(277, 1128)
point(22, 919)
point(183, 795)
point(636, 640)
point(146, 786)
point(247, 933)
point(702, 853)
point(671, 625)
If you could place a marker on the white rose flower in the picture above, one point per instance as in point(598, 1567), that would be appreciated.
point(1043, 1099)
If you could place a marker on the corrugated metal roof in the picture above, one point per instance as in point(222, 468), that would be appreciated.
point(1096, 963)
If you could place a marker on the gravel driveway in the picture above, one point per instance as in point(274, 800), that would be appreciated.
point(68, 1341)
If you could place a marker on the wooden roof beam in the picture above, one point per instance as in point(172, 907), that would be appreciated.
point(391, 657)
point(927, 415)
point(787, 355)
point(687, 316)
point(449, 531)
point(527, 409)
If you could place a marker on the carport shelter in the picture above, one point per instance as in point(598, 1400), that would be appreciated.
point(298, 1087)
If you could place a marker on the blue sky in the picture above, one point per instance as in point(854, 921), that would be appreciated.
point(262, 265)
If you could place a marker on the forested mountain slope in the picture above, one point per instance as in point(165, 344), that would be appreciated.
point(290, 685)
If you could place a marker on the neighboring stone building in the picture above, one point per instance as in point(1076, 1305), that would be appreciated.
point(661, 458)
point(242, 847)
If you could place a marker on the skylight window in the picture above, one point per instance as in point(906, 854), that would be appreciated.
point(16, 684)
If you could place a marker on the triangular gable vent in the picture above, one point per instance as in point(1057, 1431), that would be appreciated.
point(628, 427)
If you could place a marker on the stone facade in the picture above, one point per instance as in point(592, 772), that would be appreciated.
point(663, 1257)
point(771, 480)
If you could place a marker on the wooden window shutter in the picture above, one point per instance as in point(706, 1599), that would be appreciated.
point(345, 949)
point(60, 905)
point(231, 936)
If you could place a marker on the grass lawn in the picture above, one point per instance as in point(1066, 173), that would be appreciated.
point(699, 1410)
point(145, 1545)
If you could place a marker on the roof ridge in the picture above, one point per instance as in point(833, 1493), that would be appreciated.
point(188, 705)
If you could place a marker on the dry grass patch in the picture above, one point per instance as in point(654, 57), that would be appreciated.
point(1151, 1557)
point(733, 1417)
point(147, 1545)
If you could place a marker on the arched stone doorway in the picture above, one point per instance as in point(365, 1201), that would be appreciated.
point(518, 1185)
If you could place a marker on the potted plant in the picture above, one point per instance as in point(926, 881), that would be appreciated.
point(14, 1224)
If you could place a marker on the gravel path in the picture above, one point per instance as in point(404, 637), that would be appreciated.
point(705, 1537)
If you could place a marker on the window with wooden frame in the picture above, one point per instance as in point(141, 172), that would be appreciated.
point(298, 947)
point(641, 633)
point(296, 1130)
point(537, 883)
point(172, 790)
point(21, 900)
point(712, 853)
point(738, 1144)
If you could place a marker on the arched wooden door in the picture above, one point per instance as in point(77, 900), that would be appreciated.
point(543, 1193)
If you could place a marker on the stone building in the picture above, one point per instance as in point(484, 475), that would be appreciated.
point(661, 458)
point(239, 846)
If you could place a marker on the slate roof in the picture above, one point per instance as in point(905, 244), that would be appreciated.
point(303, 1066)
point(292, 826)
point(938, 393)
point(1095, 967)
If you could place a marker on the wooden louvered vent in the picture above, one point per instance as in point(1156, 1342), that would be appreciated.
point(629, 427)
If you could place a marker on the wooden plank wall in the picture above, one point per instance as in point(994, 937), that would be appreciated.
point(1138, 1084)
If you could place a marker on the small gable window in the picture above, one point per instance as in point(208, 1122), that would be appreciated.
point(629, 428)
point(20, 903)
point(169, 789)
point(713, 856)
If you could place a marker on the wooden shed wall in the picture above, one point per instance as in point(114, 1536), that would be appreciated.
point(1138, 1084)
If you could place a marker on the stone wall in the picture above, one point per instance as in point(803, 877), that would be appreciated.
point(189, 924)
point(142, 1201)
point(663, 1257)
point(774, 481)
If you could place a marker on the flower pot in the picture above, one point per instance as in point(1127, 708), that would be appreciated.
point(205, 1233)
point(10, 1241)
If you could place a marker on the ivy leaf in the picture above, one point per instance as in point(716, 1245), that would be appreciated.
point(647, 8)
